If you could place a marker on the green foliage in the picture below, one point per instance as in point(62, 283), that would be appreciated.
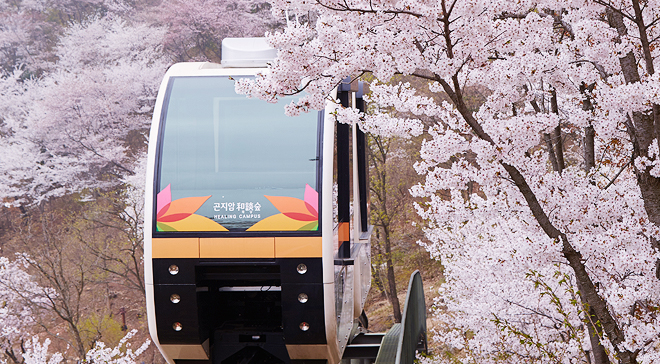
point(562, 316)
point(100, 328)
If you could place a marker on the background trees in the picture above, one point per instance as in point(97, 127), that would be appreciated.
point(390, 205)
point(16, 318)
point(397, 226)
point(196, 28)
point(77, 84)
point(75, 127)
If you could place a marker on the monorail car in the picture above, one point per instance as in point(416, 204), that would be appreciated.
point(256, 233)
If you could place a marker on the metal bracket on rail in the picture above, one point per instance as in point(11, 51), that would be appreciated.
point(402, 341)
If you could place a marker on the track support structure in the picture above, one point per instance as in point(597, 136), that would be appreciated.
point(400, 344)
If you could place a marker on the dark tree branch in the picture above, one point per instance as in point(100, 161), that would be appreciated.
point(346, 8)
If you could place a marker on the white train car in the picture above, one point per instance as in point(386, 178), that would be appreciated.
point(256, 234)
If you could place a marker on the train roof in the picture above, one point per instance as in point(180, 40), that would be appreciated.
point(240, 56)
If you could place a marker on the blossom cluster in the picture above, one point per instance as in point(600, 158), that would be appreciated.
point(63, 130)
point(561, 122)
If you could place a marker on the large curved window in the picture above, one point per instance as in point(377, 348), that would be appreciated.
point(229, 163)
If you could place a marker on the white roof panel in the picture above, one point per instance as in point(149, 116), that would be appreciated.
point(246, 52)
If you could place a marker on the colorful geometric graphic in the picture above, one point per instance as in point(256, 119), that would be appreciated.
point(179, 215)
point(295, 214)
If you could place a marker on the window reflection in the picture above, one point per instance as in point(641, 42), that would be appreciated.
point(233, 163)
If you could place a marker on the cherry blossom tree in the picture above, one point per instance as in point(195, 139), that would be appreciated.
point(120, 354)
point(71, 128)
point(29, 29)
point(29, 308)
point(16, 318)
point(19, 26)
point(549, 234)
point(197, 27)
point(37, 353)
point(77, 124)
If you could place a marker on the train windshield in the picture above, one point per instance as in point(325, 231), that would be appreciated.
point(229, 163)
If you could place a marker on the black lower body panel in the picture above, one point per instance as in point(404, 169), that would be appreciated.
point(248, 309)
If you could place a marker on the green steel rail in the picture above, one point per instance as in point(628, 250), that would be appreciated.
point(403, 340)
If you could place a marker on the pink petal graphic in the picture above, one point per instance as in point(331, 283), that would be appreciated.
point(311, 200)
point(300, 217)
point(182, 208)
point(163, 211)
point(286, 204)
point(311, 210)
point(163, 200)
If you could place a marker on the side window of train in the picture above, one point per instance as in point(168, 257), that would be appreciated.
point(342, 178)
point(362, 166)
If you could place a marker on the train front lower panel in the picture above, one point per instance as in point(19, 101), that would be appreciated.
point(252, 298)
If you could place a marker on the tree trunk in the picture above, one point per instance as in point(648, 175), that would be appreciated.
point(589, 148)
point(595, 333)
point(78, 340)
point(375, 274)
point(556, 135)
point(375, 271)
point(383, 218)
point(391, 281)
point(644, 126)
point(588, 292)
point(589, 132)
point(551, 152)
